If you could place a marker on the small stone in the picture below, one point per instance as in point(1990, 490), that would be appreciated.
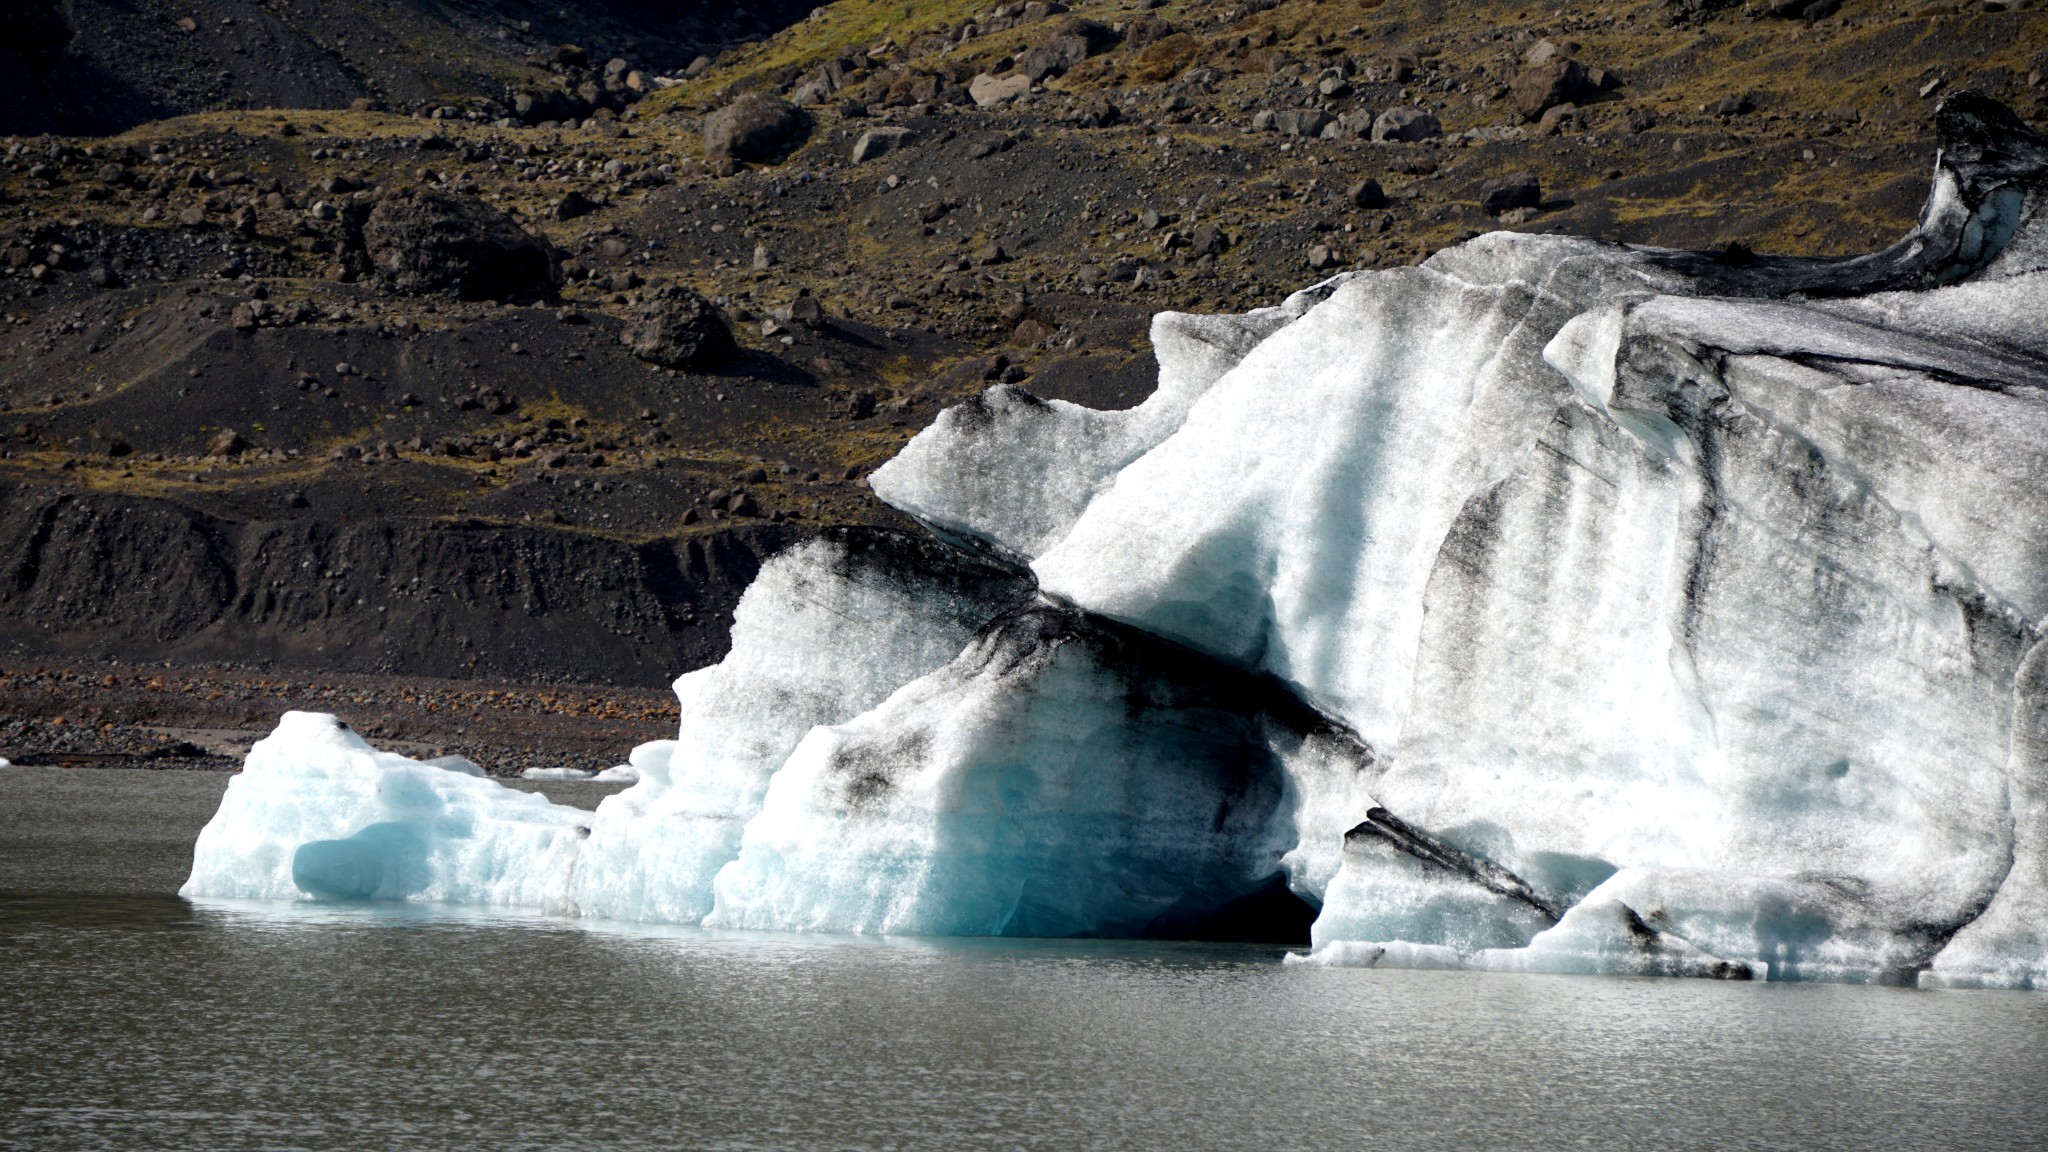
point(227, 442)
point(878, 142)
point(763, 258)
point(1320, 257)
point(192, 217)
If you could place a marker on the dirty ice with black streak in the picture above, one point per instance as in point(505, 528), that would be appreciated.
point(1554, 605)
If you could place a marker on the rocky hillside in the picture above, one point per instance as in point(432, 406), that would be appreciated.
point(484, 340)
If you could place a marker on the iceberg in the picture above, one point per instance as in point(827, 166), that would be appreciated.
point(1554, 605)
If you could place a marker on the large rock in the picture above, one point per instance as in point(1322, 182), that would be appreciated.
point(1308, 122)
point(677, 328)
point(1406, 124)
point(1520, 190)
point(1549, 84)
point(876, 142)
point(754, 127)
point(989, 91)
point(425, 242)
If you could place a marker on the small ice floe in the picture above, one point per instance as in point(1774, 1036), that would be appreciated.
point(618, 774)
point(554, 774)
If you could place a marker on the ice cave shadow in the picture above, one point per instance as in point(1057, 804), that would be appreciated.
point(1273, 914)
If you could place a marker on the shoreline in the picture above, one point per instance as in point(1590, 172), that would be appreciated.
point(123, 715)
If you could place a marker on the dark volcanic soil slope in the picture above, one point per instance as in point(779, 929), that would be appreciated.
point(235, 424)
point(95, 66)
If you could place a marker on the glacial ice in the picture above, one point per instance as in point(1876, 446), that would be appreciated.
point(1554, 605)
point(317, 812)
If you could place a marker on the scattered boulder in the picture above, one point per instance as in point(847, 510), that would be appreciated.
point(989, 91)
point(754, 127)
point(428, 241)
point(574, 205)
point(1207, 240)
point(1540, 88)
point(1308, 122)
point(1546, 51)
point(250, 315)
point(1561, 118)
point(1406, 124)
point(677, 328)
point(807, 312)
point(1521, 190)
point(1052, 58)
point(1076, 42)
point(1030, 332)
point(877, 142)
point(1366, 193)
point(1095, 111)
point(1349, 125)
point(1388, 68)
point(226, 442)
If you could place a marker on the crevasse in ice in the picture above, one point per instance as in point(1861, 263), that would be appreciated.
point(1554, 605)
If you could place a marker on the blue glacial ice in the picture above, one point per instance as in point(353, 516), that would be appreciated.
point(1554, 605)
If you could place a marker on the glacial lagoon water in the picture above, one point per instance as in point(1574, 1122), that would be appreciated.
point(131, 1019)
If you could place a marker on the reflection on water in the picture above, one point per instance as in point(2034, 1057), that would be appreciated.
point(132, 1019)
point(135, 1022)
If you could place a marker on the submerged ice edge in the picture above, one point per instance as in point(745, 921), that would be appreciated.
point(1553, 606)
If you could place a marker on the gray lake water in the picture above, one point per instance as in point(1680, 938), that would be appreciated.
point(132, 1019)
